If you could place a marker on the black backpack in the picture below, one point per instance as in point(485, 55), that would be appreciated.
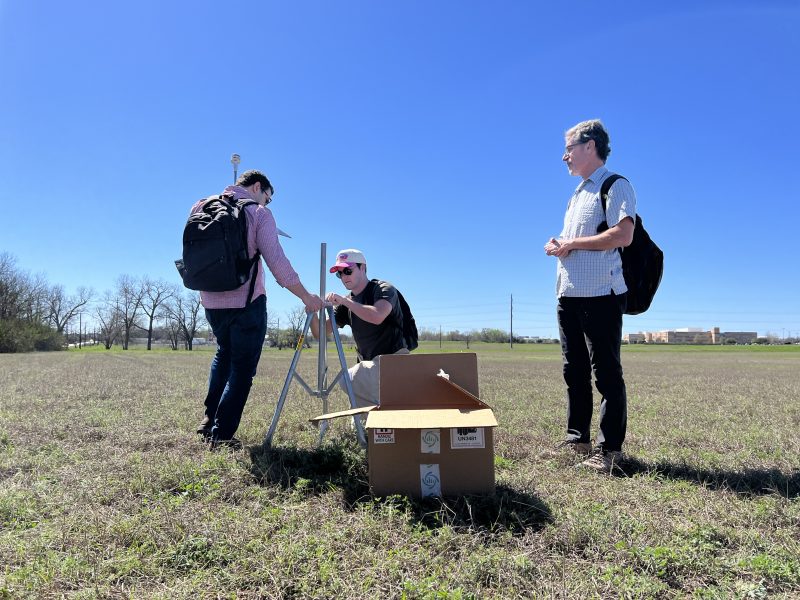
point(410, 333)
point(215, 257)
point(642, 261)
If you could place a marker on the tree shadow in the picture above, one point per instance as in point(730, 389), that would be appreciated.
point(754, 482)
point(341, 467)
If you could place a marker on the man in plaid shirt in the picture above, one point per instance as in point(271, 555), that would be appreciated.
point(591, 295)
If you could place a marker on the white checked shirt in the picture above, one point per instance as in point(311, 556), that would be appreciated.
point(591, 273)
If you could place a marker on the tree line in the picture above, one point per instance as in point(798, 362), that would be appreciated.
point(35, 315)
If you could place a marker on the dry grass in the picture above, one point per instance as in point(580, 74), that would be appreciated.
point(105, 492)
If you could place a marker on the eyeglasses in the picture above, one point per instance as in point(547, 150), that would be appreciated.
point(268, 194)
point(345, 271)
point(568, 149)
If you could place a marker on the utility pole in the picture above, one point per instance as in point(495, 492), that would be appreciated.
point(235, 160)
point(512, 322)
point(440, 337)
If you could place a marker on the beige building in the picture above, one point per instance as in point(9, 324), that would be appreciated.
point(690, 335)
point(634, 338)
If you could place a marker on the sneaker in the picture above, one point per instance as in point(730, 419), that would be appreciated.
point(233, 444)
point(604, 461)
point(574, 446)
point(204, 428)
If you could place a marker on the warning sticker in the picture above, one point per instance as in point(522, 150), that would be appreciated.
point(430, 441)
point(383, 436)
point(467, 437)
point(430, 482)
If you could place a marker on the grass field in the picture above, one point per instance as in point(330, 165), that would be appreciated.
point(106, 492)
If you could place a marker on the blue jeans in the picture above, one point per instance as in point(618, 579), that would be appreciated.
point(240, 336)
point(591, 336)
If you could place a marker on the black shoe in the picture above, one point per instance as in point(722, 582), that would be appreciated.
point(233, 444)
point(204, 428)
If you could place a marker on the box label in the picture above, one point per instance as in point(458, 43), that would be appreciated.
point(430, 441)
point(467, 437)
point(383, 436)
point(430, 482)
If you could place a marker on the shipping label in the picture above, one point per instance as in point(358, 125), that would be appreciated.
point(383, 436)
point(467, 437)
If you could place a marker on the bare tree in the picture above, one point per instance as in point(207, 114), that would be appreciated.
point(297, 319)
point(155, 293)
point(185, 313)
point(109, 321)
point(274, 331)
point(23, 297)
point(13, 286)
point(173, 329)
point(62, 308)
point(129, 293)
point(36, 299)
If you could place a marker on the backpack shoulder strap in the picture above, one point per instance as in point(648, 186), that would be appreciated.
point(242, 202)
point(606, 187)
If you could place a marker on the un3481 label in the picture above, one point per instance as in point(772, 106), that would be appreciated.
point(467, 437)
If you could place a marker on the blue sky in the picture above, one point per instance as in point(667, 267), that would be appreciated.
point(427, 134)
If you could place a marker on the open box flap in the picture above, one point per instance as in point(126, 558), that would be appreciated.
point(343, 413)
point(467, 395)
point(410, 381)
point(430, 418)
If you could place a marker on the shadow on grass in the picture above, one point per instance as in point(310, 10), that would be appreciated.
point(341, 467)
point(313, 472)
point(507, 510)
point(757, 482)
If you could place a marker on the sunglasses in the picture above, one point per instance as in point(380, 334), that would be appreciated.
point(345, 271)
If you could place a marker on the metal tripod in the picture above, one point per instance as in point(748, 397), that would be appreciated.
point(323, 390)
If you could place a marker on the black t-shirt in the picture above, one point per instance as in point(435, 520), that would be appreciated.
point(374, 340)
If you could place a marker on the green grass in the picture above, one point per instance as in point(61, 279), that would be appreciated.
point(105, 492)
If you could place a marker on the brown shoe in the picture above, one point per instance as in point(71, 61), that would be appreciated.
point(604, 461)
point(205, 426)
point(573, 446)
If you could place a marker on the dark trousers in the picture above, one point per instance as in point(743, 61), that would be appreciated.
point(240, 337)
point(591, 336)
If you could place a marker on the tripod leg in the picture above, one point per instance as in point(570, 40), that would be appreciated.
point(362, 439)
point(298, 349)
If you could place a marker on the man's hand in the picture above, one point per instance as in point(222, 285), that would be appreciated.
point(334, 299)
point(313, 303)
point(554, 247)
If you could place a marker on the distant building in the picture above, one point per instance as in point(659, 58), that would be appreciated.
point(691, 335)
point(741, 337)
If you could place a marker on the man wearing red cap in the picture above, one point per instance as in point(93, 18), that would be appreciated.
point(372, 310)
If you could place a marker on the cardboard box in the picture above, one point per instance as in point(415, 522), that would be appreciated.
point(431, 435)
